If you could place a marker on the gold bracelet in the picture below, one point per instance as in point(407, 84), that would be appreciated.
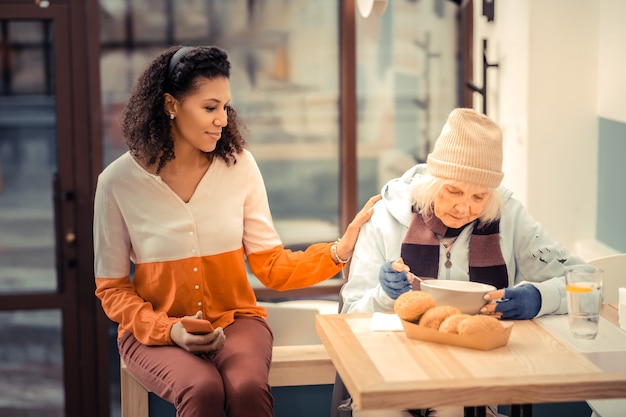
point(333, 249)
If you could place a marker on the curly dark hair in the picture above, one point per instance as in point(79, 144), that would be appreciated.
point(145, 123)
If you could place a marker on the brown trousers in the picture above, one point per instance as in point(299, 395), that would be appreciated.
point(232, 382)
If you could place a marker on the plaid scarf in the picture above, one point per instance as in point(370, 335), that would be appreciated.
point(420, 251)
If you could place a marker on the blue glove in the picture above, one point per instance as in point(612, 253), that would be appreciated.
point(520, 303)
point(394, 283)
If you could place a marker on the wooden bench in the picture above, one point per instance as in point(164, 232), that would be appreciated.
point(291, 366)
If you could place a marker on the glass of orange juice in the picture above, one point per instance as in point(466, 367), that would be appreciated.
point(583, 284)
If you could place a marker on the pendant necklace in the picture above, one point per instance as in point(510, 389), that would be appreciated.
point(447, 245)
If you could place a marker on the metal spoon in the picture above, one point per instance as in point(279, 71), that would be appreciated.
point(411, 276)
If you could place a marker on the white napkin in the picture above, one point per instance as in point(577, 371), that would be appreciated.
point(385, 322)
point(622, 308)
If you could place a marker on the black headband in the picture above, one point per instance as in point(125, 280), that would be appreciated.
point(175, 59)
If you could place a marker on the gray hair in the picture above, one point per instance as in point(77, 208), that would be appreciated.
point(425, 190)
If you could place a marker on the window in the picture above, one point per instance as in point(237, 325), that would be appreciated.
point(407, 84)
point(286, 86)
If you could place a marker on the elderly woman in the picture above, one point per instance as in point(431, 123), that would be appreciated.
point(450, 219)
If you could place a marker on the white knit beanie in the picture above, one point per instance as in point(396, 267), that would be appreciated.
point(469, 149)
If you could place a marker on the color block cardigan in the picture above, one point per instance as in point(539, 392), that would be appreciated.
point(190, 256)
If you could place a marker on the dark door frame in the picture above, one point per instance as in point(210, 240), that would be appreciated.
point(79, 158)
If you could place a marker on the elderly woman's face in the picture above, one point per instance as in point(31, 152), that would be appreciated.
point(459, 204)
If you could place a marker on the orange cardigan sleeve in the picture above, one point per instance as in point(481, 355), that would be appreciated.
point(124, 306)
point(282, 269)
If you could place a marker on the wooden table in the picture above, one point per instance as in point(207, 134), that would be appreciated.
point(386, 370)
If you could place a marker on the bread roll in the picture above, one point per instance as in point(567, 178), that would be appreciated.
point(450, 324)
point(479, 324)
point(433, 317)
point(411, 305)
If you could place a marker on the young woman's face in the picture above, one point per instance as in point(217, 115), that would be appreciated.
point(201, 116)
point(459, 204)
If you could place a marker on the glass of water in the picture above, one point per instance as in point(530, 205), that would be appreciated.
point(583, 284)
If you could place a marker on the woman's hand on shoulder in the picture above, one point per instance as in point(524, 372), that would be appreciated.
point(345, 246)
point(365, 213)
point(197, 343)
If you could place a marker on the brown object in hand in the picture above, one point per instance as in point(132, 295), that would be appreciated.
point(196, 326)
point(479, 324)
point(411, 305)
point(451, 323)
point(432, 318)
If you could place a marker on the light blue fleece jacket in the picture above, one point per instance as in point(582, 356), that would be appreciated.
point(530, 255)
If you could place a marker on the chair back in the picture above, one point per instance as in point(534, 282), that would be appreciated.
point(293, 322)
point(614, 267)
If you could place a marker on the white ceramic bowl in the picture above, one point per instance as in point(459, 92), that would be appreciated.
point(467, 296)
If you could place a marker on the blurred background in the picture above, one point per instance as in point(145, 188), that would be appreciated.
point(336, 105)
point(286, 85)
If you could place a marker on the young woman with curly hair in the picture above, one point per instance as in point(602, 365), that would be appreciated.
point(187, 205)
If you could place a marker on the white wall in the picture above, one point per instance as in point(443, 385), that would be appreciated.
point(507, 84)
point(612, 60)
point(562, 122)
point(546, 95)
